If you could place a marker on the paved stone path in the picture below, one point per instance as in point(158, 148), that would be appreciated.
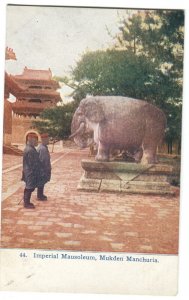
point(73, 220)
point(11, 160)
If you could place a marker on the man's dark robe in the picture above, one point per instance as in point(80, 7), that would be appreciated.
point(31, 167)
point(44, 157)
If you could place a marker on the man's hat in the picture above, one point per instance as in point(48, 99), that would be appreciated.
point(32, 135)
point(44, 135)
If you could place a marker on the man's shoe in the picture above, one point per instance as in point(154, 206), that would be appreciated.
point(27, 196)
point(42, 198)
point(29, 205)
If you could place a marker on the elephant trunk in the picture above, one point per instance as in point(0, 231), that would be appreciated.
point(80, 130)
point(82, 137)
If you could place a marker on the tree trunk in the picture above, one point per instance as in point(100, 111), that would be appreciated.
point(53, 147)
point(170, 147)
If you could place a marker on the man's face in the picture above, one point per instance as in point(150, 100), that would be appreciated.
point(45, 141)
point(33, 141)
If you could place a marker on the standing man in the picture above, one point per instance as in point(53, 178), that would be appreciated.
point(31, 165)
point(45, 166)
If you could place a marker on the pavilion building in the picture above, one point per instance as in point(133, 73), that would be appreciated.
point(11, 88)
point(39, 91)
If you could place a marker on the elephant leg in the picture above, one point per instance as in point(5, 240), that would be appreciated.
point(149, 155)
point(138, 155)
point(103, 153)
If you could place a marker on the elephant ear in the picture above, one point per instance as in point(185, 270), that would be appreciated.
point(94, 111)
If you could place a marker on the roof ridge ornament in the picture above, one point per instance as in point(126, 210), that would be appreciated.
point(10, 54)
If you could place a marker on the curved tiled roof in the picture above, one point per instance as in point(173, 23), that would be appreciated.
point(35, 74)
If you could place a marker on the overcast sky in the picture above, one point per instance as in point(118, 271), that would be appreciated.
point(55, 37)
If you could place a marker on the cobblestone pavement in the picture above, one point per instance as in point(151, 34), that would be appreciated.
point(74, 220)
point(11, 160)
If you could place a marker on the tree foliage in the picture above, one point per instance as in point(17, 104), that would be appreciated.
point(56, 121)
point(114, 72)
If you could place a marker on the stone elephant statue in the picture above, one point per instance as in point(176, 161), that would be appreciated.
point(115, 122)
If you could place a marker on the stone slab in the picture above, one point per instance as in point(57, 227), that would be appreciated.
point(89, 184)
point(110, 185)
point(92, 166)
point(151, 177)
point(101, 175)
point(144, 185)
point(125, 177)
point(160, 168)
point(89, 165)
point(148, 191)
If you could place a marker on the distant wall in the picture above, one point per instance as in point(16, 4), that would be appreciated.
point(20, 126)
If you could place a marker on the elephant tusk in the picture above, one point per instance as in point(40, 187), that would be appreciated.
point(79, 130)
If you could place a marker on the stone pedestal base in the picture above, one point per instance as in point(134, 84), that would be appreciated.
point(125, 177)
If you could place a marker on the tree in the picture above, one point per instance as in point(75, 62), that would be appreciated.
point(113, 72)
point(158, 34)
point(130, 35)
point(162, 41)
point(56, 121)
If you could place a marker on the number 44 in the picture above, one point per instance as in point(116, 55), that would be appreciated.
point(23, 254)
